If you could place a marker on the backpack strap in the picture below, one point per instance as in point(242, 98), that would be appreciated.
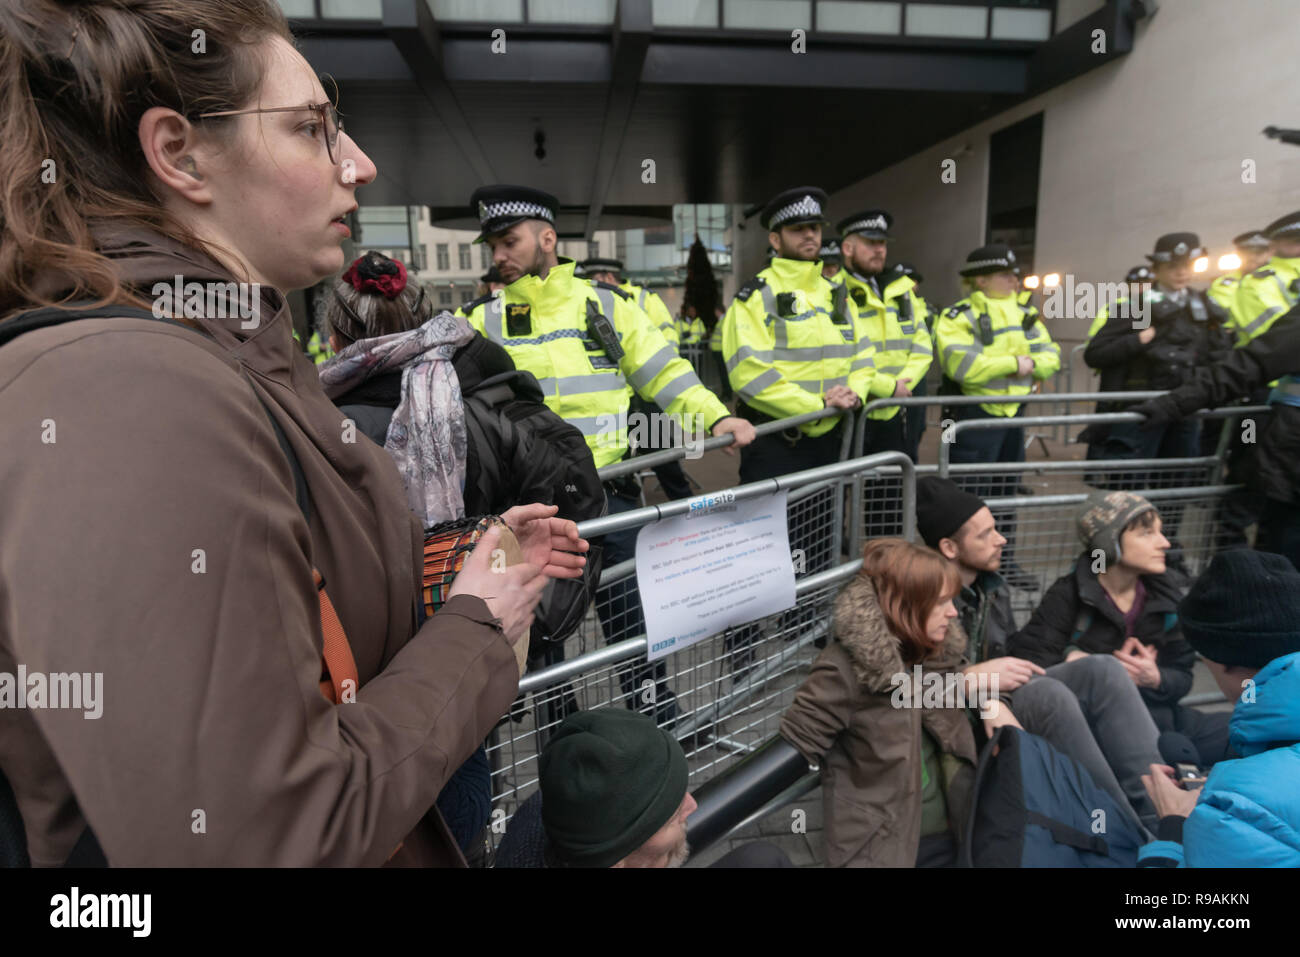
point(1063, 833)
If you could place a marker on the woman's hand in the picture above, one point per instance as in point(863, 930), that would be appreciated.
point(1139, 661)
point(547, 542)
point(510, 593)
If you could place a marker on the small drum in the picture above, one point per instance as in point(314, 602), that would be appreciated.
point(446, 547)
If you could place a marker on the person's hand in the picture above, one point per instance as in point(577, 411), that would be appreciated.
point(841, 397)
point(1076, 655)
point(1139, 661)
point(995, 714)
point(1147, 334)
point(901, 391)
point(742, 429)
point(1168, 798)
point(1024, 365)
point(548, 542)
point(1159, 412)
point(1011, 672)
point(510, 593)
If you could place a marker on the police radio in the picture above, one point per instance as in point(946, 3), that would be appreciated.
point(601, 331)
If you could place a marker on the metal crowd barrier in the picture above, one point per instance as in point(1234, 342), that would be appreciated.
point(729, 689)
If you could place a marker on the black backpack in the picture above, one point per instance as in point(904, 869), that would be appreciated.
point(521, 452)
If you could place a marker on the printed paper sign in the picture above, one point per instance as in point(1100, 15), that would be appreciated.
point(723, 563)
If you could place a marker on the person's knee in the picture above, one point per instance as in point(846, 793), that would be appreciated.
point(1102, 668)
point(1042, 695)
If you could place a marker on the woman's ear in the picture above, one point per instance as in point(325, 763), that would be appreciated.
point(169, 145)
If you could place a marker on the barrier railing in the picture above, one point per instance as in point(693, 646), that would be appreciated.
point(728, 690)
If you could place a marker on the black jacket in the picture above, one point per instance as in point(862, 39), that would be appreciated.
point(1266, 357)
point(1076, 613)
point(984, 609)
point(1182, 344)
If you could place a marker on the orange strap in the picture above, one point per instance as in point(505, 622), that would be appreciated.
point(337, 663)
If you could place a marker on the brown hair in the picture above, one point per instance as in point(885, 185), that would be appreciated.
point(75, 78)
point(909, 580)
point(353, 314)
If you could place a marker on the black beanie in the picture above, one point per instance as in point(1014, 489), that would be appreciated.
point(942, 508)
point(610, 780)
point(1244, 610)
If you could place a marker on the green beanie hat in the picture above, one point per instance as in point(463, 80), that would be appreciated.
point(610, 779)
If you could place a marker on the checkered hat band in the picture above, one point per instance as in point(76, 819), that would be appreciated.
point(805, 207)
point(877, 223)
point(514, 207)
point(981, 263)
point(1288, 228)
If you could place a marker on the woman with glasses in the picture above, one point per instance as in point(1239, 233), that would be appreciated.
point(188, 526)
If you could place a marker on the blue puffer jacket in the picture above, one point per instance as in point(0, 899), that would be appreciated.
point(1249, 811)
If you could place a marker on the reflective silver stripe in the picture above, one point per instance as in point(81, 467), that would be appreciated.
point(835, 380)
point(1004, 384)
point(606, 299)
point(867, 363)
point(640, 300)
point(816, 353)
point(492, 320)
point(769, 299)
point(687, 380)
point(968, 359)
point(579, 384)
point(642, 377)
point(889, 370)
point(1260, 320)
point(1042, 346)
point(922, 348)
point(817, 386)
point(748, 352)
point(769, 378)
point(1281, 287)
point(895, 345)
point(590, 425)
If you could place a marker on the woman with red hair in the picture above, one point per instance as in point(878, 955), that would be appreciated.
point(897, 772)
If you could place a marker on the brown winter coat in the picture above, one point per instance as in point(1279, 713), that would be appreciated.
point(843, 719)
point(215, 746)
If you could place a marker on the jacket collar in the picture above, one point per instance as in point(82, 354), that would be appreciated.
point(1162, 593)
point(873, 650)
point(548, 296)
point(151, 262)
point(788, 274)
point(986, 582)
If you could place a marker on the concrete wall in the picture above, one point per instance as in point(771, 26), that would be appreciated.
point(1151, 143)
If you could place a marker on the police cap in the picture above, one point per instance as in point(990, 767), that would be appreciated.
point(500, 207)
point(871, 223)
point(794, 207)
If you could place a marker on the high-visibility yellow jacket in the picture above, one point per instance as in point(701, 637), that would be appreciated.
point(318, 347)
point(1224, 290)
point(654, 307)
point(894, 322)
point(1263, 296)
point(690, 331)
point(788, 336)
point(978, 340)
point(543, 324)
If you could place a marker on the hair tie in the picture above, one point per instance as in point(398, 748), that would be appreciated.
point(375, 273)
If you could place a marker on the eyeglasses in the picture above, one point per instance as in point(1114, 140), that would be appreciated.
point(330, 119)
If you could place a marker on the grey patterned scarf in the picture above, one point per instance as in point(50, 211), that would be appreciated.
point(426, 436)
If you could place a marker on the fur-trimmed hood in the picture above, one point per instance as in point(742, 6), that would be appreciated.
point(873, 649)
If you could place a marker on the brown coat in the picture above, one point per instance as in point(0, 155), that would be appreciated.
point(843, 719)
point(215, 746)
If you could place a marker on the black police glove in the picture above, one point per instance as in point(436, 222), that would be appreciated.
point(1159, 412)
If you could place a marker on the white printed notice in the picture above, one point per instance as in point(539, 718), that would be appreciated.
point(721, 564)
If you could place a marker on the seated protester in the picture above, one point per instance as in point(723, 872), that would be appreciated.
point(896, 781)
point(1243, 617)
point(1090, 710)
point(392, 374)
point(612, 793)
point(1120, 603)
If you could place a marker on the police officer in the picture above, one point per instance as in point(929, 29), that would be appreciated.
point(990, 344)
point(1253, 251)
point(791, 345)
point(915, 426)
point(672, 479)
point(611, 271)
point(830, 257)
point(1137, 276)
point(1267, 292)
point(590, 348)
point(1172, 330)
point(892, 317)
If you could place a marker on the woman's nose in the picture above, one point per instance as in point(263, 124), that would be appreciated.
point(357, 167)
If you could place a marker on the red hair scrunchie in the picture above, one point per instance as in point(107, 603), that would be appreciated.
point(389, 286)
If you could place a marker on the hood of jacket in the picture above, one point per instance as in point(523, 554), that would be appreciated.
point(863, 632)
point(1272, 719)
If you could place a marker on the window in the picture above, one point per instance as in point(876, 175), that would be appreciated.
point(444, 297)
point(464, 256)
point(422, 258)
point(466, 296)
point(485, 256)
point(444, 263)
